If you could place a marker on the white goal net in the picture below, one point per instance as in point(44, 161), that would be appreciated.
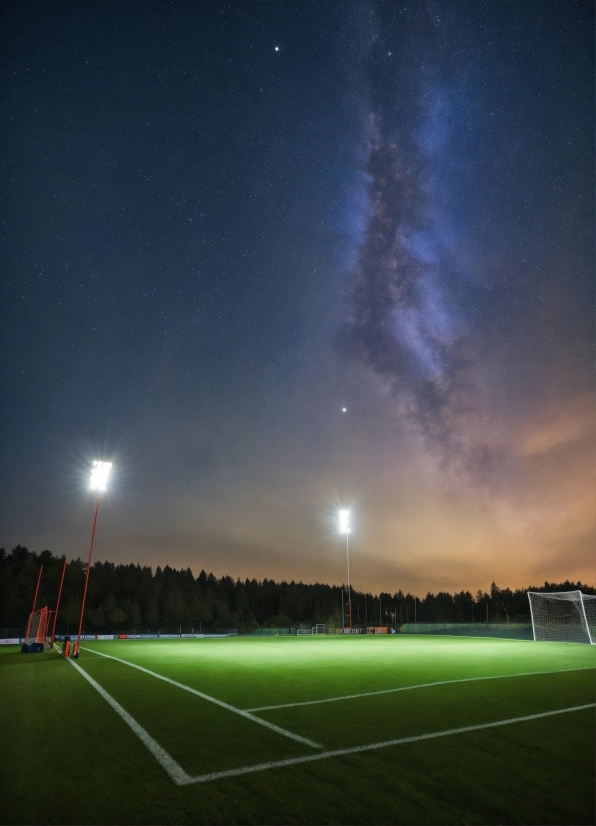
point(566, 616)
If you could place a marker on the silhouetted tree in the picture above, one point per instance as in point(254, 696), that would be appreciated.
point(127, 597)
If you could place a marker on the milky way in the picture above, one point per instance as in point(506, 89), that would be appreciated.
point(403, 323)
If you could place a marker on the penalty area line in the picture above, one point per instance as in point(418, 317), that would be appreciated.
point(165, 760)
point(412, 687)
point(243, 713)
point(294, 761)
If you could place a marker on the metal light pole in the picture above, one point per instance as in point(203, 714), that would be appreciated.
point(99, 477)
point(344, 527)
point(349, 592)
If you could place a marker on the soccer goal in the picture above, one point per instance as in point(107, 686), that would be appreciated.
point(302, 631)
point(319, 628)
point(566, 616)
point(37, 627)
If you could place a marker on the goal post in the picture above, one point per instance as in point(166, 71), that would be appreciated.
point(563, 616)
point(589, 601)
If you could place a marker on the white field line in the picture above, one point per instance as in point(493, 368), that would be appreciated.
point(165, 760)
point(294, 761)
point(246, 714)
point(411, 687)
point(181, 778)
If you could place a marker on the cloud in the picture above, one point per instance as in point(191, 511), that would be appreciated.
point(557, 429)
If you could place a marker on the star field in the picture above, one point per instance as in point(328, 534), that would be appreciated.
point(270, 259)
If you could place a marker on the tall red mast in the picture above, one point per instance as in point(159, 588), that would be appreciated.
point(58, 603)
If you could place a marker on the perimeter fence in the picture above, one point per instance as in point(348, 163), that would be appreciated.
point(505, 630)
point(274, 632)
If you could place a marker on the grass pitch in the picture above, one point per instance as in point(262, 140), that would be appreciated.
point(300, 730)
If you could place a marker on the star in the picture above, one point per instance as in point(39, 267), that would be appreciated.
point(344, 410)
point(277, 48)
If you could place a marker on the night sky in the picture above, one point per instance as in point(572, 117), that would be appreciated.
point(226, 222)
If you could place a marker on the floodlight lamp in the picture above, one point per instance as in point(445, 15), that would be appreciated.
point(344, 521)
point(99, 475)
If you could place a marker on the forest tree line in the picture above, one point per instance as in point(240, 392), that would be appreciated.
point(126, 598)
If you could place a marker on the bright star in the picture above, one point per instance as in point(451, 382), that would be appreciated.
point(344, 410)
point(277, 48)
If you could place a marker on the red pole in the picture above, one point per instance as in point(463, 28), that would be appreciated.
point(34, 603)
point(78, 642)
point(58, 603)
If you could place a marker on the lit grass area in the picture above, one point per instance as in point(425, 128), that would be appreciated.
point(68, 757)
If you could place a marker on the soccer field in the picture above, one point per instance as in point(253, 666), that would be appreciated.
point(397, 729)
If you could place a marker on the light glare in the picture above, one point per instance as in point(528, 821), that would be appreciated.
point(99, 475)
point(344, 521)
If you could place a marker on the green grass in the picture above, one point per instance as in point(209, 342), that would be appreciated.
point(67, 757)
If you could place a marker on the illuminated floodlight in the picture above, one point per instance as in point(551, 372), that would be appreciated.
point(344, 521)
point(99, 475)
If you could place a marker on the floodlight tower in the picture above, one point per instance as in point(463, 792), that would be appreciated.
point(99, 480)
point(344, 527)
